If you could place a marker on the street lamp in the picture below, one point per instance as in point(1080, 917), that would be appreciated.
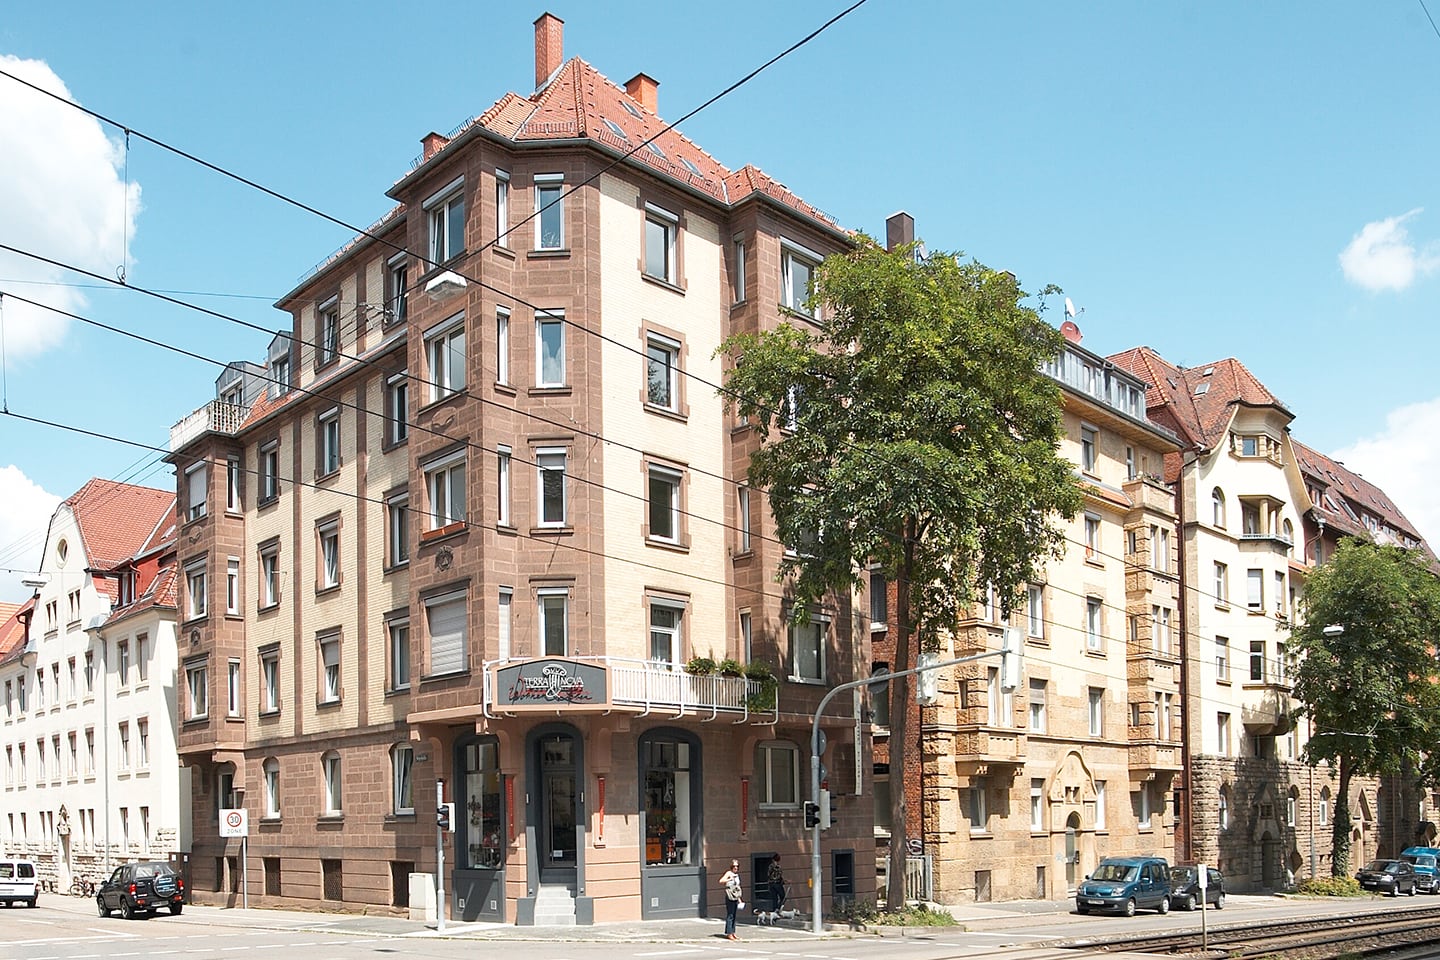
point(1333, 630)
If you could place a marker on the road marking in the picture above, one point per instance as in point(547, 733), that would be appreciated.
point(668, 953)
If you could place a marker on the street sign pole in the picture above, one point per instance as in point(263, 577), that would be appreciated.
point(439, 859)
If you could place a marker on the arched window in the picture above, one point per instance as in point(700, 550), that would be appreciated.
point(1289, 529)
point(1292, 806)
point(271, 769)
point(1217, 507)
point(402, 762)
point(1324, 806)
point(880, 695)
point(1223, 811)
point(330, 771)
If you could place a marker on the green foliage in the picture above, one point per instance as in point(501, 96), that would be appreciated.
point(1330, 887)
point(1369, 688)
point(866, 912)
point(764, 698)
point(701, 666)
point(730, 667)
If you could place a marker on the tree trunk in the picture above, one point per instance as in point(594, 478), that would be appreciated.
point(900, 706)
point(1340, 835)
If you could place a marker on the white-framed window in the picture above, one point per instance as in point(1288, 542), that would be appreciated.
point(797, 273)
point(999, 702)
point(1222, 733)
point(1096, 702)
point(979, 805)
point(661, 229)
point(503, 459)
point(550, 211)
point(1222, 583)
point(195, 590)
point(1222, 658)
point(1035, 611)
point(142, 745)
point(737, 273)
point(1037, 805)
point(878, 590)
point(232, 688)
point(1250, 446)
point(502, 208)
point(1142, 803)
point(502, 345)
point(1160, 625)
point(232, 586)
point(746, 634)
point(398, 632)
point(1279, 595)
point(328, 346)
point(742, 509)
point(329, 536)
point(402, 763)
point(664, 503)
point(550, 348)
point(232, 484)
point(554, 621)
point(1092, 537)
point(1164, 705)
point(124, 736)
point(445, 625)
point(280, 373)
point(397, 529)
point(1255, 589)
point(777, 774)
point(334, 795)
point(196, 484)
point(269, 471)
point(807, 648)
point(397, 408)
point(122, 666)
point(1159, 548)
point(397, 280)
point(328, 429)
point(550, 469)
point(1089, 445)
point(270, 681)
point(1324, 806)
point(445, 357)
point(1290, 805)
point(1217, 507)
point(445, 214)
point(197, 685)
point(1094, 624)
point(1100, 804)
point(1257, 661)
point(269, 576)
point(328, 680)
point(666, 644)
point(504, 604)
point(445, 491)
point(1130, 473)
point(89, 750)
point(662, 365)
point(272, 788)
point(1039, 690)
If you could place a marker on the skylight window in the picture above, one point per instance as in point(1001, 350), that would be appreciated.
point(1202, 388)
point(657, 151)
point(1208, 371)
point(614, 128)
point(690, 166)
point(630, 109)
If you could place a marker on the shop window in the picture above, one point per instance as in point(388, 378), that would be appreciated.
point(668, 815)
point(481, 844)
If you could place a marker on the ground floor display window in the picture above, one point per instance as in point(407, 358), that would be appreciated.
point(482, 824)
point(667, 800)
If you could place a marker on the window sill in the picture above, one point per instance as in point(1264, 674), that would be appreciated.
point(268, 608)
point(662, 282)
point(323, 591)
point(401, 817)
point(1100, 654)
point(387, 445)
point(447, 675)
point(1223, 681)
point(671, 546)
point(198, 618)
point(507, 528)
point(505, 389)
point(189, 522)
point(269, 714)
point(429, 407)
point(234, 512)
point(799, 314)
point(738, 304)
point(502, 251)
point(329, 474)
point(329, 818)
point(428, 537)
point(550, 390)
point(396, 567)
point(667, 413)
point(196, 721)
point(397, 691)
point(743, 555)
point(1095, 562)
point(267, 502)
point(1222, 605)
point(808, 682)
point(328, 705)
point(267, 821)
point(559, 253)
point(564, 530)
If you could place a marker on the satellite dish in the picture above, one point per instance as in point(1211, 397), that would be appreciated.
point(921, 254)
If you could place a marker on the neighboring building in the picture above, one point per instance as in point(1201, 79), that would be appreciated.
point(484, 506)
point(1018, 795)
point(68, 720)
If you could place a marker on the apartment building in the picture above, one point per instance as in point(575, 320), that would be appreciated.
point(1019, 794)
point(90, 772)
point(460, 534)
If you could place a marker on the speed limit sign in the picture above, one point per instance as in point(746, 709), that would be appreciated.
point(234, 823)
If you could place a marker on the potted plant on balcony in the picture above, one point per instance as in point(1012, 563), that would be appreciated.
point(763, 697)
point(730, 667)
point(700, 666)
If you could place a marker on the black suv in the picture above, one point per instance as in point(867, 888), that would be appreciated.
point(141, 889)
point(1388, 876)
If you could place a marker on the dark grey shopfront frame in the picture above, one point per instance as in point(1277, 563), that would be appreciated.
point(673, 890)
point(476, 893)
point(534, 798)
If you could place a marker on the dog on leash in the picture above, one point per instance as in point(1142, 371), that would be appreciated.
point(768, 917)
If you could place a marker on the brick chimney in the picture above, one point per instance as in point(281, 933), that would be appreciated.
point(549, 47)
point(899, 230)
point(431, 144)
point(644, 90)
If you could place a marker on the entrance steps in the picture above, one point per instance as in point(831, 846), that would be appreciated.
point(555, 905)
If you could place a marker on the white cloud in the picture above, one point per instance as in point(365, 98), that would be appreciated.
point(1381, 256)
point(23, 522)
point(1403, 460)
point(64, 196)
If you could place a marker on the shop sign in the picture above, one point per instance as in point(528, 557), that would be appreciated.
point(550, 683)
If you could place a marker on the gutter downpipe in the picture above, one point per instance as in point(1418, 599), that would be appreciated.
point(1185, 817)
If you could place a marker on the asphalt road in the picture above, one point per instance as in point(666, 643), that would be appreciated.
point(65, 928)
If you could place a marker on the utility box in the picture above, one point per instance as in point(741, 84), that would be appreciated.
point(422, 897)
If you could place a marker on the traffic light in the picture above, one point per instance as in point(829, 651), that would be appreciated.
point(1012, 660)
point(812, 815)
point(824, 809)
point(445, 817)
point(927, 681)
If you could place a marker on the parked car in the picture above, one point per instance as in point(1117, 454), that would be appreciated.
point(141, 889)
point(1388, 876)
point(1123, 884)
point(18, 883)
point(1424, 861)
point(1185, 887)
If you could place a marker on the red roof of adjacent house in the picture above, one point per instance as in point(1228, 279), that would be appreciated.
point(1196, 401)
point(1346, 495)
point(117, 519)
point(13, 617)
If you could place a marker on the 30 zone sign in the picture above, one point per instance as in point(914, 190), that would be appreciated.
point(234, 823)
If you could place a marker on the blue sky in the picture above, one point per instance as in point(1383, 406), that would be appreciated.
point(1217, 179)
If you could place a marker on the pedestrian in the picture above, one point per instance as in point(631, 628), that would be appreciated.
point(776, 876)
point(730, 882)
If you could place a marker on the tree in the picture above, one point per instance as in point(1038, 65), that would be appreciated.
point(910, 428)
point(1367, 676)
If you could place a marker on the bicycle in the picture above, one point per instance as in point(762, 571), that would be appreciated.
point(80, 887)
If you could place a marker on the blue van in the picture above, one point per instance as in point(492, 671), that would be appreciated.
point(1426, 861)
point(1123, 884)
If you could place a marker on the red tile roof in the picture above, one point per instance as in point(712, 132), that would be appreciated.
point(117, 519)
point(13, 617)
point(161, 594)
point(1347, 494)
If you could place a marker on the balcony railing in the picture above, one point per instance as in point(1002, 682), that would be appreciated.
point(648, 687)
point(217, 416)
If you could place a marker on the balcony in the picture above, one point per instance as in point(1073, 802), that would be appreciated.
point(217, 416)
point(1275, 541)
point(979, 749)
point(1155, 755)
point(587, 684)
